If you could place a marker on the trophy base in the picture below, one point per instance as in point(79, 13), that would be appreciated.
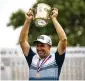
point(40, 22)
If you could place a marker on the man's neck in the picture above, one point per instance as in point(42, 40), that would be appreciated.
point(43, 57)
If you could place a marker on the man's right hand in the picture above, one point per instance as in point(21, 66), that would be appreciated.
point(29, 15)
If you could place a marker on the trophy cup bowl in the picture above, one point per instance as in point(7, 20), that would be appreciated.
point(42, 15)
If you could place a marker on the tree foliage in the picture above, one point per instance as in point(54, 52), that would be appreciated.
point(17, 19)
point(71, 17)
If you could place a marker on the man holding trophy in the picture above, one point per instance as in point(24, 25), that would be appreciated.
point(43, 65)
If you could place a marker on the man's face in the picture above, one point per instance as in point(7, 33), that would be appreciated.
point(43, 50)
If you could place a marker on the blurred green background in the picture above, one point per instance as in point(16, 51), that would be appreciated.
point(71, 17)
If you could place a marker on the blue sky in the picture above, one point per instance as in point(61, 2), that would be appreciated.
point(8, 36)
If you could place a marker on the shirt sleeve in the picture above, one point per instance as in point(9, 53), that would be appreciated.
point(59, 58)
point(30, 56)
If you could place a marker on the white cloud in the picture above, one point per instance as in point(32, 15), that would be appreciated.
point(8, 36)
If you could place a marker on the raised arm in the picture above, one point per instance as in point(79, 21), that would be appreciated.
point(23, 39)
point(62, 36)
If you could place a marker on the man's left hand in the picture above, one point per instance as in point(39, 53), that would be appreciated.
point(54, 13)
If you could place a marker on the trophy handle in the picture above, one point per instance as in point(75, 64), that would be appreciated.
point(51, 13)
point(34, 12)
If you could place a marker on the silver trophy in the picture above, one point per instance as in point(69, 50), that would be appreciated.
point(42, 15)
